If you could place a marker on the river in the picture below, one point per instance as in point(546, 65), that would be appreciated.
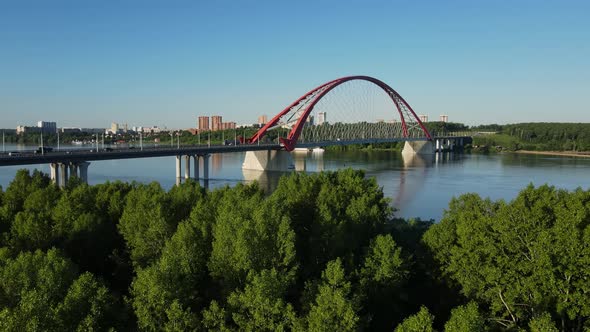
point(417, 188)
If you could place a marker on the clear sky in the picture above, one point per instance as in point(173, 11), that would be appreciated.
point(89, 63)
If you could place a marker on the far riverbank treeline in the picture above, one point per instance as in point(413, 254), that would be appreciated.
point(323, 252)
point(541, 136)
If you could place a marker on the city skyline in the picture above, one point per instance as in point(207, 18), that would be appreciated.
point(157, 63)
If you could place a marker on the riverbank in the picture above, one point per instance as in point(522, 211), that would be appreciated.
point(556, 153)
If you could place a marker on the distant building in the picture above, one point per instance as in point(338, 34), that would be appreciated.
point(151, 130)
point(228, 125)
point(70, 130)
point(423, 118)
point(47, 126)
point(92, 130)
point(203, 123)
point(321, 118)
point(444, 118)
point(216, 122)
point(27, 129)
point(114, 128)
point(262, 120)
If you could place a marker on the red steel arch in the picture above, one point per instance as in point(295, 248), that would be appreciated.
point(403, 108)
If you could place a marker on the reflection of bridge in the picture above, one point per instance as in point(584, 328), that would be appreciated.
point(301, 124)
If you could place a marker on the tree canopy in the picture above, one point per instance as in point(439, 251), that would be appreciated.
point(323, 252)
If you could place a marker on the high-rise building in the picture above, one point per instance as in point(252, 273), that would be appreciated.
point(423, 118)
point(321, 118)
point(444, 118)
point(216, 122)
point(228, 125)
point(262, 120)
point(203, 123)
point(47, 127)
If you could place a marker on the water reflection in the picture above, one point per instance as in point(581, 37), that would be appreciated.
point(299, 159)
point(418, 160)
point(267, 180)
point(216, 161)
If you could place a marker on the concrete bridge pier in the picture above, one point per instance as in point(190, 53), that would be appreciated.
point(270, 160)
point(73, 170)
point(178, 170)
point(54, 173)
point(206, 170)
point(63, 179)
point(60, 173)
point(418, 147)
point(187, 167)
point(83, 171)
point(206, 166)
point(196, 169)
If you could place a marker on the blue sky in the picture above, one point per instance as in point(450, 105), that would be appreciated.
point(89, 63)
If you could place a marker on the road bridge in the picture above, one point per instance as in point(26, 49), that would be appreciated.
point(304, 123)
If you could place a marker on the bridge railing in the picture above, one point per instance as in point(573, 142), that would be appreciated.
point(452, 133)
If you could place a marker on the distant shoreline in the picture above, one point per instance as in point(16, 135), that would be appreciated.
point(556, 153)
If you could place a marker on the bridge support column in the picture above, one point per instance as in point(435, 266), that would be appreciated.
point(206, 166)
point(206, 170)
point(73, 170)
point(418, 147)
point(54, 171)
point(438, 147)
point(63, 179)
point(270, 160)
point(83, 169)
point(187, 167)
point(178, 170)
point(196, 169)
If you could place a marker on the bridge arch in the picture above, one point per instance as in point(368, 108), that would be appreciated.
point(302, 108)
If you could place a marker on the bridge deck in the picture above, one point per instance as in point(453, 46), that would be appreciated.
point(29, 157)
point(90, 154)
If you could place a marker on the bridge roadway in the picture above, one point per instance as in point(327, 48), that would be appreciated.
point(29, 157)
point(74, 162)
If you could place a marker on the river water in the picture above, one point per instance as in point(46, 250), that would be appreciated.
point(417, 188)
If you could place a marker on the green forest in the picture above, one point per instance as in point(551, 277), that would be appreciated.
point(324, 252)
point(540, 136)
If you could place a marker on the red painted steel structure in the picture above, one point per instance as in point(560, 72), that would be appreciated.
point(404, 109)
